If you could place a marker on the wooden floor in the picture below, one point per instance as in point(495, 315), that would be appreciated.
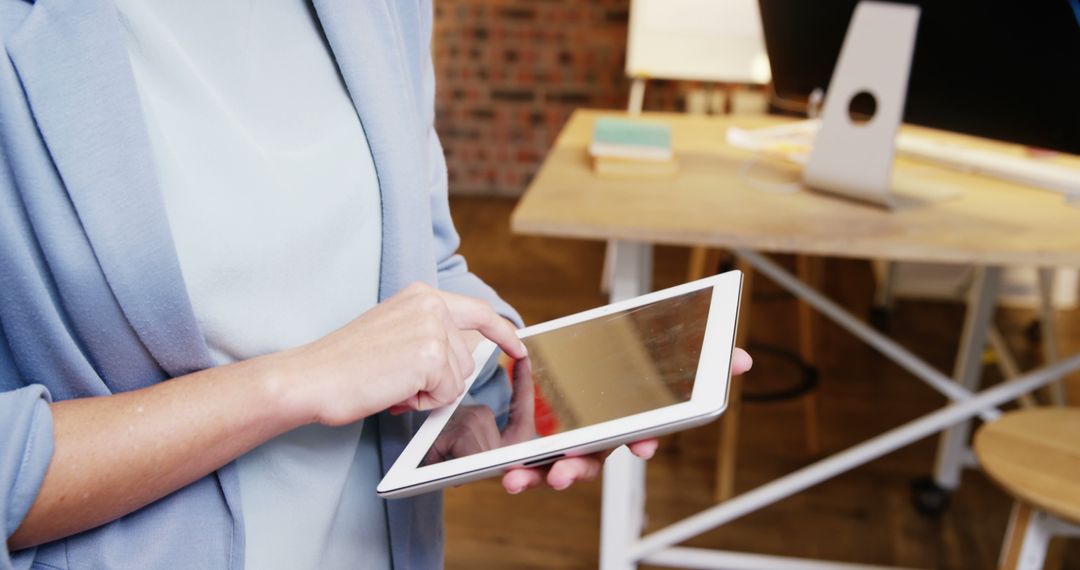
point(864, 516)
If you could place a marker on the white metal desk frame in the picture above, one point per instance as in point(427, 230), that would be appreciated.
point(623, 546)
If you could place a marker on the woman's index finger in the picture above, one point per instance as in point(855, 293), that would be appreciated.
point(469, 313)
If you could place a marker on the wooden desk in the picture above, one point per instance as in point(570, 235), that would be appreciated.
point(710, 203)
point(989, 223)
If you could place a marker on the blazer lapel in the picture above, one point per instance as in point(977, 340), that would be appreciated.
point(71, 59)
point(366, 39)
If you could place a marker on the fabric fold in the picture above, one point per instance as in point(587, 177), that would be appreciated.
point(26, 448)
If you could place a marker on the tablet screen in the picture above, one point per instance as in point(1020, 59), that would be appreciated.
point(617, 365)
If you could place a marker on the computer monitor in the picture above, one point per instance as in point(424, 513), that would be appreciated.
point(1001, 69)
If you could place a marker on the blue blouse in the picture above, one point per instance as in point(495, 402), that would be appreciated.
point(273, 203)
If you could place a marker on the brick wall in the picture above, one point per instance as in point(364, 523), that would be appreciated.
point(510, 72)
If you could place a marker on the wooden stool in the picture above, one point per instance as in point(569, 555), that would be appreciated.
point(1034, 455)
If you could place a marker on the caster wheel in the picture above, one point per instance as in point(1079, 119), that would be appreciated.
point(929, 498)
point(1033, 332)
point(879, 318)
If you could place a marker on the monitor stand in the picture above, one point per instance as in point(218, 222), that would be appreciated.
point(853, 154)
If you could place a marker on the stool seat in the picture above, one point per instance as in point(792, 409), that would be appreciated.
point(1035, 455)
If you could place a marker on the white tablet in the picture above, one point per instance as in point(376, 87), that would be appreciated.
point(638, 368)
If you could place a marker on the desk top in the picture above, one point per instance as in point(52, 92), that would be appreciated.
point(714, 201)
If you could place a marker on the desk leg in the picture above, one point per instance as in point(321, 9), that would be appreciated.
point(809, 270)
point(952, 447)
point(1049, 330)
point(623, 508)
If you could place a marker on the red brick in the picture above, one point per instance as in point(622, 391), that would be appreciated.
point(510, 72)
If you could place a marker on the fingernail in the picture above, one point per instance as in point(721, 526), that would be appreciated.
point(560, 485)
point(515, 490)
point(524, 349)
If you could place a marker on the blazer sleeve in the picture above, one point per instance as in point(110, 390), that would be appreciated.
point(453, 272)
point(26, 447)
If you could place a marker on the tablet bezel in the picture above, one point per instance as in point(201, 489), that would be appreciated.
point(708, 399)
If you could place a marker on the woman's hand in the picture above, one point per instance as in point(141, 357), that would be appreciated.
point(566, 472)
point(474, 428)
point(412, 351)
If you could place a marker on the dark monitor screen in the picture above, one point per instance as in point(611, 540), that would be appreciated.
point(1001, 69)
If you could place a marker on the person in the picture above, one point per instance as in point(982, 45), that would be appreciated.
point(227, 267)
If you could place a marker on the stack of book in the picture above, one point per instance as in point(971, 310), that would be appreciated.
point(628, 148)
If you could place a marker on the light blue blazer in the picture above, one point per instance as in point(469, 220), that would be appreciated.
point(91, 297)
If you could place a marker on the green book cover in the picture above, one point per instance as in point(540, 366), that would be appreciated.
point(616, 131)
